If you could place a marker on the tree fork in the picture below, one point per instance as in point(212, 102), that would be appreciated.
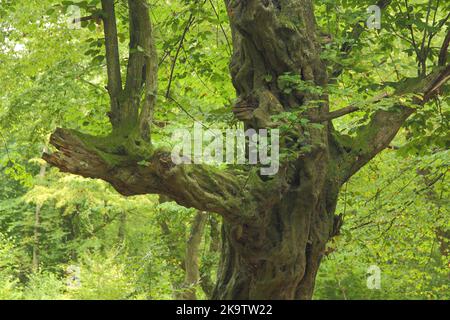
point(132, 107)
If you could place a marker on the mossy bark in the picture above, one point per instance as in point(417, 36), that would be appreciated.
point(275, 228)
point(278, 255)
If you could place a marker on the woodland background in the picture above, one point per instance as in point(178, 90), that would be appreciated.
point(395, 211)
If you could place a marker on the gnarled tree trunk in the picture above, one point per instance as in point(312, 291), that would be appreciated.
point(275, 228)
point(278, 255)
point(280, 258)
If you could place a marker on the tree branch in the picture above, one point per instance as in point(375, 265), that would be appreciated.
point(339, 113)
point(384, 125)
point(112, 59)
point(444, 50)
point(347, 110)
point(142, 72)
point(193, 186)
point(373, 138)
point(151, 82)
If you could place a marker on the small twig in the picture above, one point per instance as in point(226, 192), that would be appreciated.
point(347, 110)
point(180, 45)
point(187, 112)
point(87, 18)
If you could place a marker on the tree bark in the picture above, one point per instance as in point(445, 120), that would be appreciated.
point(189, 262)
point(279, 262)
point(276, 228)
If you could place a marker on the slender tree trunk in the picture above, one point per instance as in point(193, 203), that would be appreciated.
point(191, 260)
point(35, 263)
point(122, 226)
point(37, 218)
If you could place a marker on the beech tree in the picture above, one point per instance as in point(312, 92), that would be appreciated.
point(275, 229)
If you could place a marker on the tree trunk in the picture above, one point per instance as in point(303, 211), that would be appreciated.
point(278, 256)
point(191, 259)
point(280, 259)
point(122, 227)
point(275, 228)
point(37, 222)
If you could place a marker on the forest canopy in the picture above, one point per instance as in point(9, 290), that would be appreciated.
point(354, 93)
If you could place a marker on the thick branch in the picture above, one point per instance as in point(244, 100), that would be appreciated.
point(112, 58)
point(198, 186)
point(142, 70)
point(384, 125)
point(339, 113)
point(433, 84)
point(373, 138)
